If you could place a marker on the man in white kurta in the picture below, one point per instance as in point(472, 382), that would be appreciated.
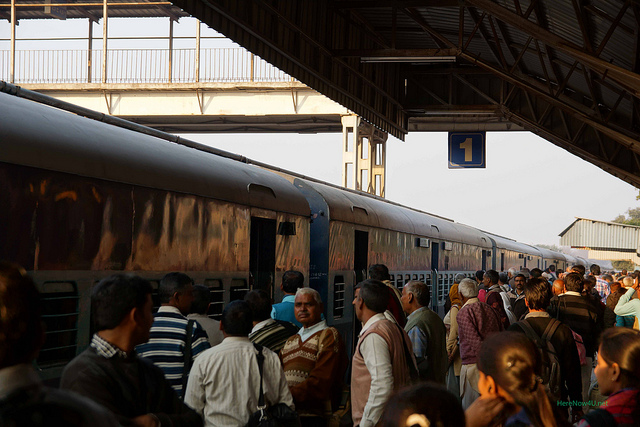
point(224, 384)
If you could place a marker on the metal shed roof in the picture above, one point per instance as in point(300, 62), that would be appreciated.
point(600, 235)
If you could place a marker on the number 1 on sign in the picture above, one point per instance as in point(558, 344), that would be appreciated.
point(467, 146)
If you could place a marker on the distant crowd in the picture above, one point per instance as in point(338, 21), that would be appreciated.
point(518, 348)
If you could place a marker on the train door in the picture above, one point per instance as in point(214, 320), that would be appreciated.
point(262, 253)
point(484, 259)
point(501, 261)
point(360, 255)
point(435, 282)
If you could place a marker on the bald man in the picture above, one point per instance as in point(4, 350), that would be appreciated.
point(558, 287)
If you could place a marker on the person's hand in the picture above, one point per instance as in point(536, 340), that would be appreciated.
point(485, 412)
point(576, 415)
point(147, 420)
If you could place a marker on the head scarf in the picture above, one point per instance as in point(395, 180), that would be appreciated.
point(454, 296)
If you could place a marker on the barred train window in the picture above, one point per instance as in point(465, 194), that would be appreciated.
point(238, 290)
point(60, 316)
point(217, 298)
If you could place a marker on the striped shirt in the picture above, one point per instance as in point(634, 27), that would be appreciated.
point(167, 341)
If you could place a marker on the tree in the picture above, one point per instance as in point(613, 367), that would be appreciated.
point(632, 218)
point(623, 264)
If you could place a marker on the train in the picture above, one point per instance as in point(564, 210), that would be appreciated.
point(84, 195)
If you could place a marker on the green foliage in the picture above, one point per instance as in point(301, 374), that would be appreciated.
point(632, 218)
point(623, 264)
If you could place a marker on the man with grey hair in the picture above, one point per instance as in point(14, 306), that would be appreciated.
point(426, 331)
point(314, 361)
point(476, 320)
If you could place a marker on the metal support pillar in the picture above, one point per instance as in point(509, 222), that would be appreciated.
point(13, 43)
point(198, 50)
point(364, 156)
point(104, 41)
point(90, 51)
point(170, 50)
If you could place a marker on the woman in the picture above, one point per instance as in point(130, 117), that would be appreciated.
point(509, 366)
point(453, 352)
point(618, 374)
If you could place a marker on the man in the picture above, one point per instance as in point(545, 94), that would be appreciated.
point(199, 309)
point(535, 273)
point(579, 268)
point(110, 372)
point(224, 385)
point(629, 304)
point(476, 320)
point(314, 361)
point(167, 345)
point(512, 274)
point(494, 297)
point(266, 331)
point(580, 315)
point(537, 298)
point(426, 331)
point(516, 297)
point(291, 281)
point(380, 272)
point(558, 287)
point(24, 400)
point(552, 272)
point(382, 356)
point(602, 286)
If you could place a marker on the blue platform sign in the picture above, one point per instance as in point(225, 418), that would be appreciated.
point(467, 150)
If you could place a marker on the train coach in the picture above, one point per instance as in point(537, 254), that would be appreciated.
point(81, 199)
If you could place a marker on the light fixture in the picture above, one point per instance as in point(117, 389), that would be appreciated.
point(409, 59)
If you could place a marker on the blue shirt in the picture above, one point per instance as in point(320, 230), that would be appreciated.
point(284, 310)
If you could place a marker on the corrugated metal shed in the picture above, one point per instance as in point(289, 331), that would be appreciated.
point(601, 235)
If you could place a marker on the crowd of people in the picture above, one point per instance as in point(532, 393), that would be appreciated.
point(518, 348)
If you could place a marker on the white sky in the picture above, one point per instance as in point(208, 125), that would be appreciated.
point(531, 190)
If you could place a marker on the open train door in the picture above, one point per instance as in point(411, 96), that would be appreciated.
point(360, 266)
point(262, 253)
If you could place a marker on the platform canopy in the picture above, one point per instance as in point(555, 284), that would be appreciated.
point(566, 70)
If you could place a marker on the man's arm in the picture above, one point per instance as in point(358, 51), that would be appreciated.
point(419, 345)
point(330, 365)
point(199, 341)
point(377, 359)
point(194, 395)
point(168, 407)
point(626, 306)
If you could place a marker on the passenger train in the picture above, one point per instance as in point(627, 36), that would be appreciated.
point(81, 199)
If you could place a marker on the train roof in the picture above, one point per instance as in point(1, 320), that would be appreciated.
point(512, 245)
point(45, 137)
point(549, 254)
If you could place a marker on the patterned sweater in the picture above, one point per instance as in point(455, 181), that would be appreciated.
point(314, 370)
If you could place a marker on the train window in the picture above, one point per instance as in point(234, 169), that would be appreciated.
point(217, 298)
point(60, 316)
point(415, 277)
point(407, 278)
point(238, 290)
point(421, 278)
point(338, 297)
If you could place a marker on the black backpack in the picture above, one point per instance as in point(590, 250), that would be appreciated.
point(551, 378)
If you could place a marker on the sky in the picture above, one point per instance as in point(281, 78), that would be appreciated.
point(530, 190)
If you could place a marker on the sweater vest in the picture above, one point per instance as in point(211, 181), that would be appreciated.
point(394, 337)
point(435, 366)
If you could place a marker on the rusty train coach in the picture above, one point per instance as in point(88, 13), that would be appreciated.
point(81, 199)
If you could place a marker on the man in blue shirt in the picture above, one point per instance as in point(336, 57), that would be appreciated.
point(291, 281)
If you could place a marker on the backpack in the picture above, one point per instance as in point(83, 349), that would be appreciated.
point(582, 350)
point(550, 363)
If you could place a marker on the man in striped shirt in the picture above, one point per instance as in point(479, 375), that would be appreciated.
point(167, 345)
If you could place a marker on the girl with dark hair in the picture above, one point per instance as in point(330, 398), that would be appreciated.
point(618, 374)
point(509, 365)
point(423, 405)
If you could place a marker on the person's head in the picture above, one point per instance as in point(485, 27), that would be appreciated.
point(503, 278)
point(509, 368)
point(422, 405)
point(615, 287)
point(379, 272)
point(21, 333)
point(573, 282)
point(511, 272)
point(292, 280)
point(624, 272)
point(479, 276)
point(589, 284)
point(525, 272)
point(579, 268)
point(308, 307)
point(260, 304)
point(458, 278)
point(236, 320)
point(558, 287)
point(536, 294)
point(371, 298)
point(454, 294)
point(176, 289)
point(201, 299)
point(415, 294)
point(490, 278)
point(123, 301)
point(536, 272)
point(595, 269)
point(467, 289)
point(519, 281)
point(552, 268)
point(627, 281)
point(618, 364)
point(608, 278)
